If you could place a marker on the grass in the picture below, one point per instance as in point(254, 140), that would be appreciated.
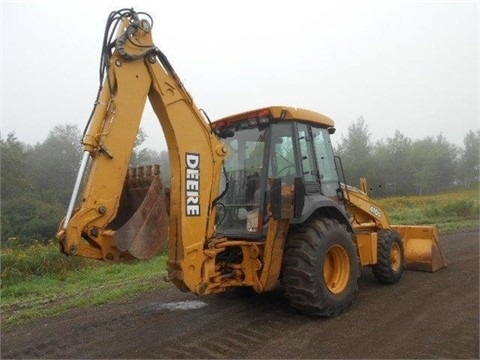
point(50, 290)
point(39, 281)
point(450, 211)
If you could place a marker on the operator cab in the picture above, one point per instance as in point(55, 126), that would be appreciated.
point(281, 148)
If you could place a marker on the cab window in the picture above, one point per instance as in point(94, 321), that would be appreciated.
point(325, 161)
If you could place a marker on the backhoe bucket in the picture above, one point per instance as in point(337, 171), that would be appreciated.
point(141, 227)
point(423, 250)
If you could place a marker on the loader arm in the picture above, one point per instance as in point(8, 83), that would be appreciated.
point(137, 70)
point(422, 248)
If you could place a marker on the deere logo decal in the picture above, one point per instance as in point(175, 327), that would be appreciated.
point(192, 184)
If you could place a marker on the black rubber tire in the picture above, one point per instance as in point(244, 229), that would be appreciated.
point(390, 257)
point(311, 251)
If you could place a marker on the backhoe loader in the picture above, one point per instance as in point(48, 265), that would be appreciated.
point(255, 201)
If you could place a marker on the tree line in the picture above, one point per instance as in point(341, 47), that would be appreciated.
point(37, 180)
point(399, 165)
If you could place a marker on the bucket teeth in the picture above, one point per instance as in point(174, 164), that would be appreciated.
point(148, 173)
point(131, 177)
point(142, 176)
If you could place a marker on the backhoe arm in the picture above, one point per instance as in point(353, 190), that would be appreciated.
point(137, 70)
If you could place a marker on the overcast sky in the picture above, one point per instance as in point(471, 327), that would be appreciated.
point(411, 66)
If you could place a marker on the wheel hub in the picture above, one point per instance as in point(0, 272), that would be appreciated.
point(336, 269)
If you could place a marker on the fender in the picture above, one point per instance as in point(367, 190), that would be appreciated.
point(318, 203)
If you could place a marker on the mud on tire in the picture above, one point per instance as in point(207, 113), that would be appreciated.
point(320, 268)
point(390, 257)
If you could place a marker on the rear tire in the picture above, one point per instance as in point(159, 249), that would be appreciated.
point(390, 257)
point(320, 268)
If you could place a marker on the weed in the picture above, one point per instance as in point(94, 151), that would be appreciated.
point(450, 211)
point(462, 208)
point(21, 263)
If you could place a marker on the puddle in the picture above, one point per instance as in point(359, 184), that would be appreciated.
point(175, 306)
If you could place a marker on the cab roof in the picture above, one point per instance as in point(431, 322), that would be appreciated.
point(278, 112)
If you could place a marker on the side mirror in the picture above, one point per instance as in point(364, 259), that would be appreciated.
point(285, 204)
point(276, 198)
point(298, 197)
point(340, 194)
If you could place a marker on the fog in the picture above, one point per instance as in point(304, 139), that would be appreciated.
point(411, 66)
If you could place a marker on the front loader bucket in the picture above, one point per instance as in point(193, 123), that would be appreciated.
point(423, 250)
point(141, 226)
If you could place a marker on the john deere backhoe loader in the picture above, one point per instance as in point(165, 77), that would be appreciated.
point(255, 198)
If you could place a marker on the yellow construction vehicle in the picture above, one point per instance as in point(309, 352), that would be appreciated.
point(255, 198)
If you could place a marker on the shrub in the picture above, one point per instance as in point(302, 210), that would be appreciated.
point(26, 218)
point(461, 208)
point(22, 262)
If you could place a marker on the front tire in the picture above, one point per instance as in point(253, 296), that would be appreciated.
point(390, 257)
point(320, 268)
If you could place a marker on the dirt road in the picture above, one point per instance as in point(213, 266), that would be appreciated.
point(424, 316)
